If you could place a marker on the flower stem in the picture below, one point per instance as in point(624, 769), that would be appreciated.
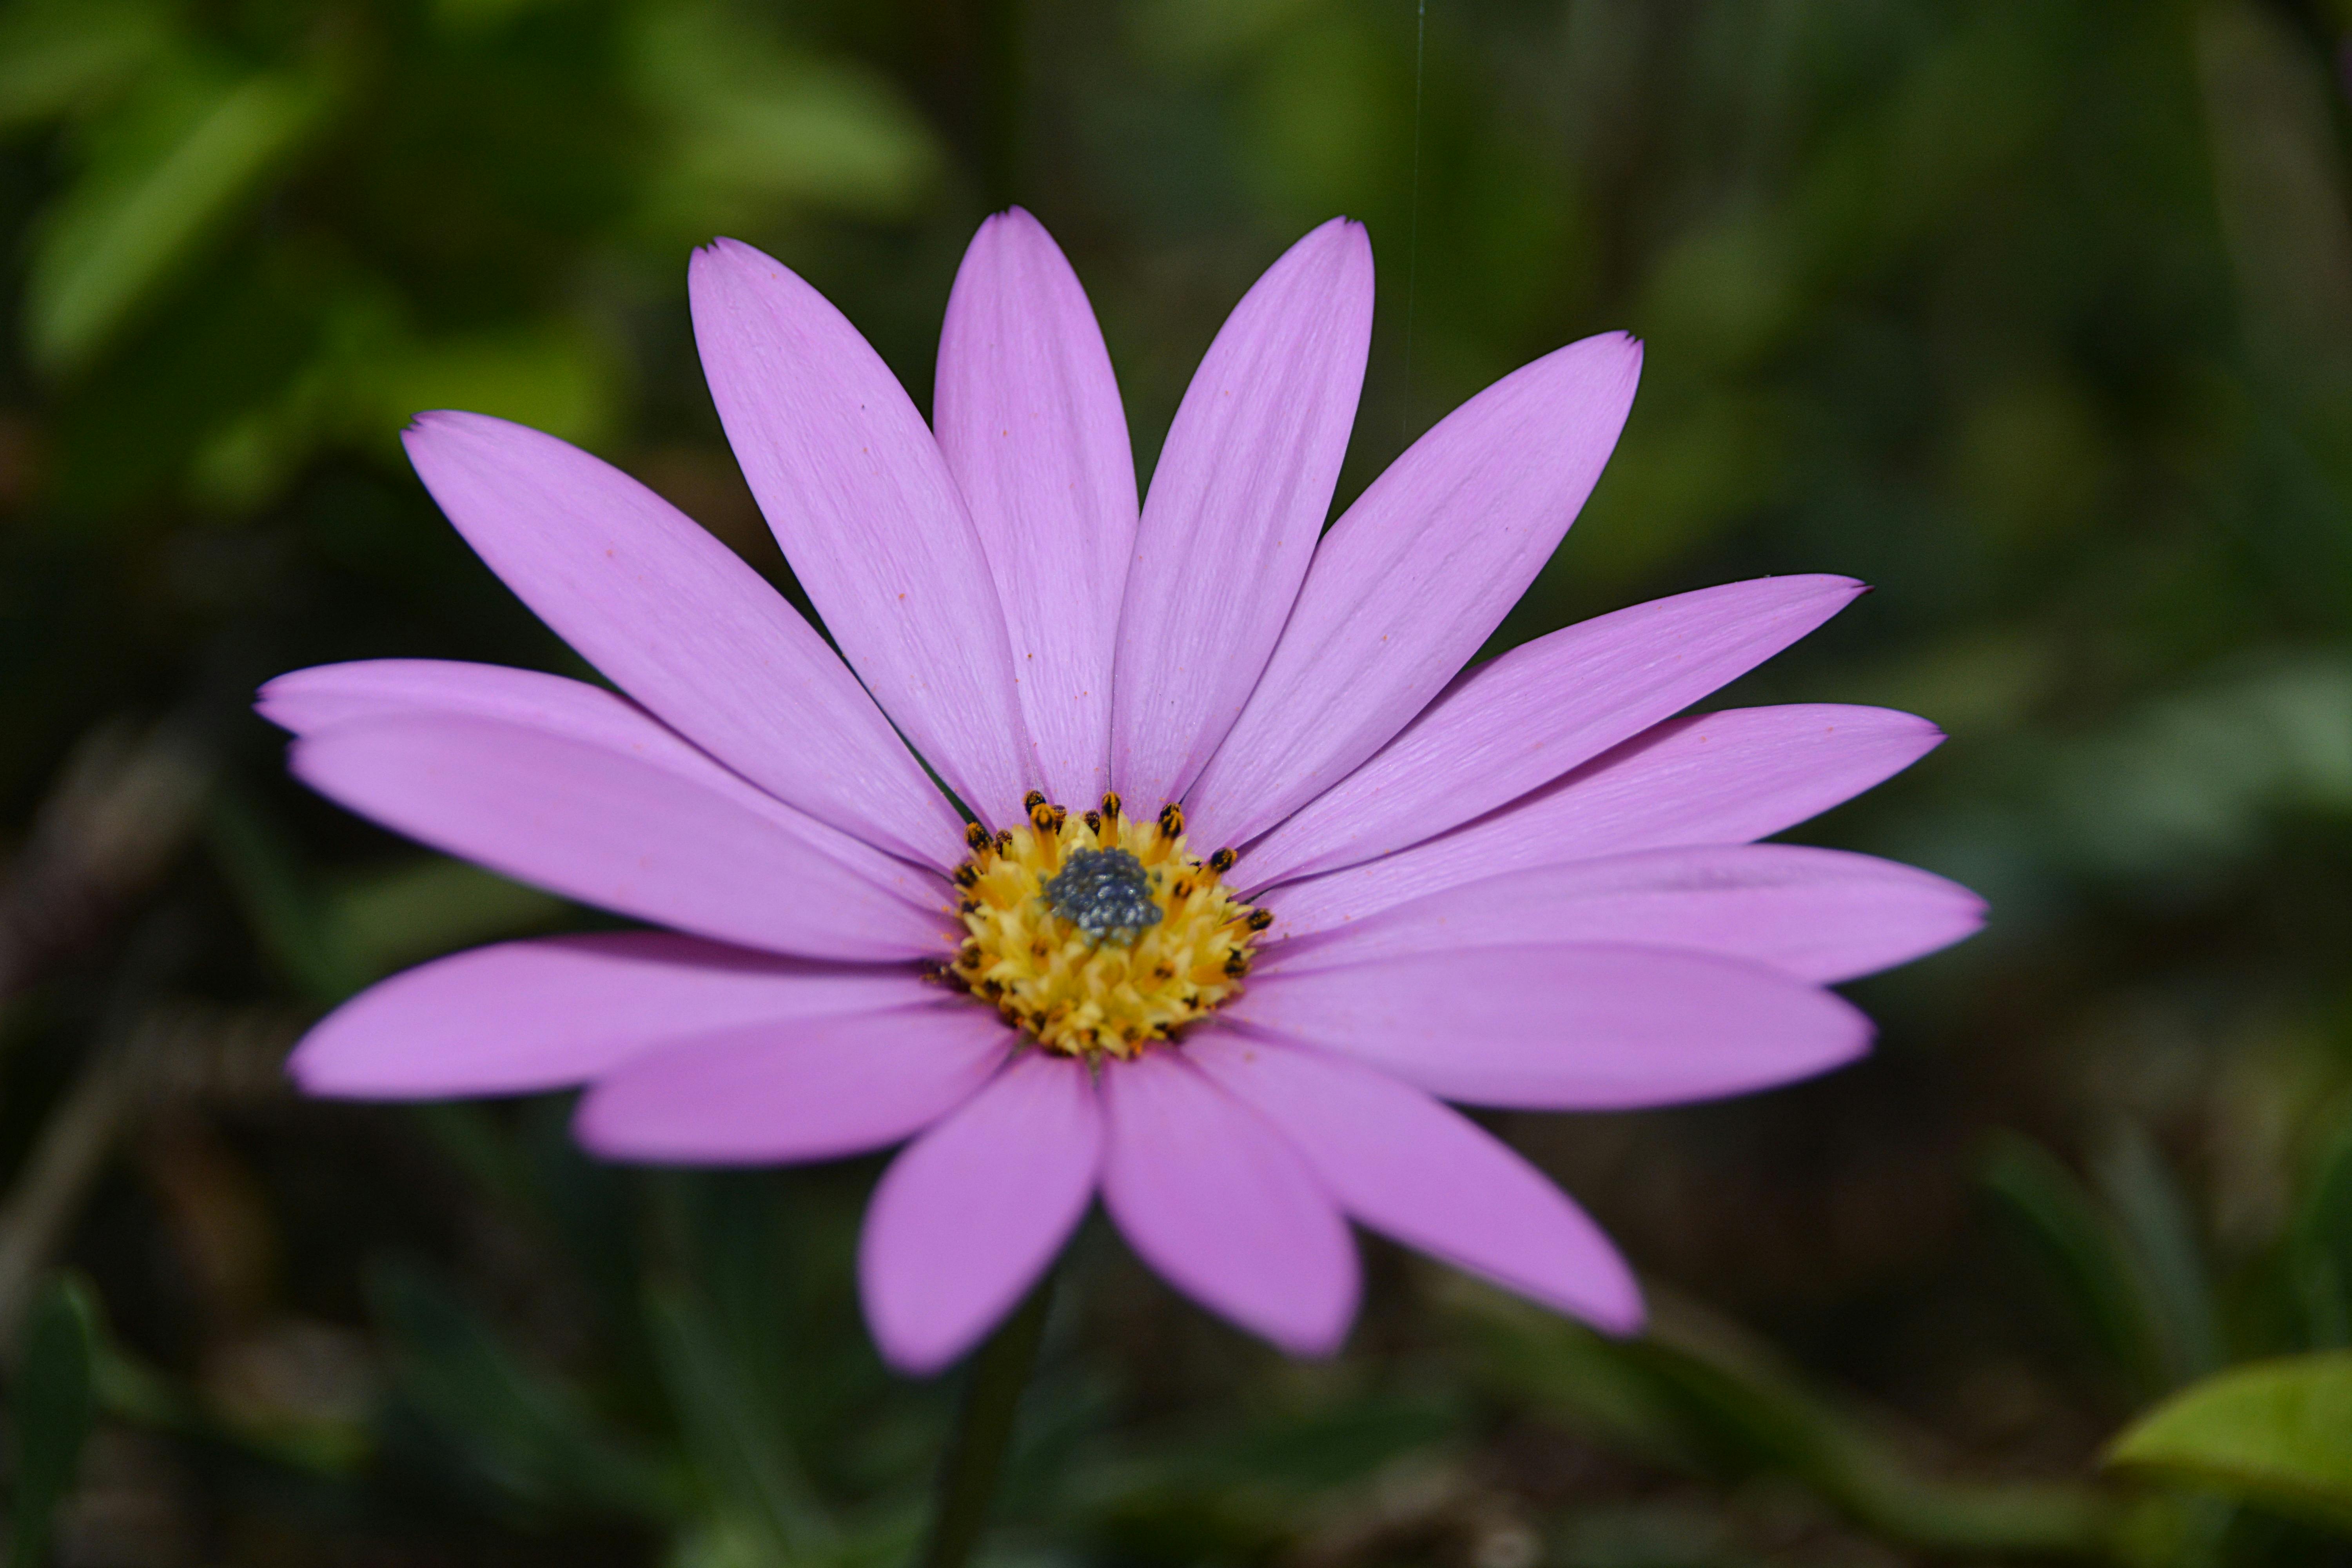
point(975, 1455)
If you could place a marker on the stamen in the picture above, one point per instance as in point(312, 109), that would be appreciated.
point(1097, 945)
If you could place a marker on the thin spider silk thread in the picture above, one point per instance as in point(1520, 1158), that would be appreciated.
point(1413, 239)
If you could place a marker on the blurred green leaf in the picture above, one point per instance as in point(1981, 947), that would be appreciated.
point(435, 906)
point(2277, 1433)
point(473, 18)
point(58, 56)
point(741, 1447)
point(2279, 182)
point(52, 1404)
point(273, 891)
point(1672, 1534)
point(333, 943)
point(1684, 474)
point(2319, 1247)
point(1250, 1490)
point(2075, 1240)
point(550, 375)
point(755, 127)
point(2193, 781)
point(2176, 1298)
point(1698, 1386)
point(531, 1436)
point(186, 158)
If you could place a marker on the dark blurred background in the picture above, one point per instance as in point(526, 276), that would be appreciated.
point(2037, 315)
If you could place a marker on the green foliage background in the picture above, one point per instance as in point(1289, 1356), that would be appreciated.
point(2035, 314)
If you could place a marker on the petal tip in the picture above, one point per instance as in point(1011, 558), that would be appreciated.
point(1312, 1340)
point(1621, 1319)
point(1342, 242)
point(916, 1350)
point(723, 259)
point(430, 429)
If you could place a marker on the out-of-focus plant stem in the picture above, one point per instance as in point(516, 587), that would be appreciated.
point(984, 1432)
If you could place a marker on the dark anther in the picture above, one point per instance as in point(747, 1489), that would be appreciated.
point(1061, 815)
point(1110, 806)
point(1032, 801)
point(967, 876)
point(1237, 964)
point(1104, 893)
point(971, 906)
point(1172, 820)
point(1094, 823)
point(1221, 861)
point(1004, 842)
point(976, 837)
point(1260, 919)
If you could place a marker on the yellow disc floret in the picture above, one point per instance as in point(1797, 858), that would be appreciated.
point(1096, 934)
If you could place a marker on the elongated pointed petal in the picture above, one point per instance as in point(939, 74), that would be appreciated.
point(1235, 509)
point(524, 1016)
point(1712, 778)
point(812, 1091)
point(713, 857)
point(307, 701)
point(968, 1217)
point(1564, 1029)
point(1821, 915)
point(677, 621)
point(857, 494)
point(1410, 583)
point(1029, 421)
point(1221, 1204)
point(1539, 711)
point(1407, 1166)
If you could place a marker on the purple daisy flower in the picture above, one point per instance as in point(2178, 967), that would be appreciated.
point(1527, 885)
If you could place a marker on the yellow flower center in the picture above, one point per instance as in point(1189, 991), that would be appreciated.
point(1095, 935)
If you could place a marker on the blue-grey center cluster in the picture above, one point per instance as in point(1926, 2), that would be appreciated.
point(1105, 893)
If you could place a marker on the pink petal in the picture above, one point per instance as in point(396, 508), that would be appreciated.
point(712, 857)
point(524, 1016)
point(1821, 915)
point(968, 1217)
point(1239, 498)
point(1410, 583)
point(1564, 1029)
point(858, 495)
point(324, 696)
point(1030, 423)
point(1539, 711)
point(675, 619)
point(808, 1090)
point(1712, 778)
point(307, 701)
point(1403, 1165)
point(1217, 1201)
